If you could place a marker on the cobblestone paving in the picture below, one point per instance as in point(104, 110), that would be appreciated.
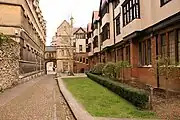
point(38, 102)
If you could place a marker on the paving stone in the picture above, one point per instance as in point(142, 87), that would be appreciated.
point(36, 102)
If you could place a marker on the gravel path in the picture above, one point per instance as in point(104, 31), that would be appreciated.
point(40, 101)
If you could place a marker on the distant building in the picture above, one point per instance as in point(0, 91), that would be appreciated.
point(71, 48)
point(50, 58)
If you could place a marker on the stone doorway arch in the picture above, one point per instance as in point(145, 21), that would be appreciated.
point(54, 65)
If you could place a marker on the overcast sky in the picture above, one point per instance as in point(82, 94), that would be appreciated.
point(55, 11)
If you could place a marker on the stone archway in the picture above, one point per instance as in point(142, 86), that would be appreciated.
point(54, 65)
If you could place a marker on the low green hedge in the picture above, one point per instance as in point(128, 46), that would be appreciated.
point(137, 97)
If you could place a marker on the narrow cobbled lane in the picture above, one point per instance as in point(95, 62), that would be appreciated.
point(38, 100)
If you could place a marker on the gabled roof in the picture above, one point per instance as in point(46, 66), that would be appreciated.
point(84, 30)
point(63, 23)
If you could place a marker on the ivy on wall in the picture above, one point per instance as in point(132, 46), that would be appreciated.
point(3, 38)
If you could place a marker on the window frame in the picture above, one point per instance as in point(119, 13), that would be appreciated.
point(118, 25)
point(105, 32)
point(131, 11)
point(80, 48)
point(163, 45)
point(171, 47)
point(87, 61)
point(177, 45)
point(95, 42)
point(128, 53)
point(144, 52)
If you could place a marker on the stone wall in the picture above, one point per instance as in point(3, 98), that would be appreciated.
point(9, 64)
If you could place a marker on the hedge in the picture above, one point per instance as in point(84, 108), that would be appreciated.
point(136, 96)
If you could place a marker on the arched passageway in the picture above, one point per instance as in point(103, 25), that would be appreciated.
point(50, 66)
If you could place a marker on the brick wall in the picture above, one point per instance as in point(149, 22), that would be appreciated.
point(81, 66)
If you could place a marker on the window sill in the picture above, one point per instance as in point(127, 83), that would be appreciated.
point(145, 66)
point(175, 66)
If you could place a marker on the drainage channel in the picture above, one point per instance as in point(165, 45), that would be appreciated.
point(62, 108)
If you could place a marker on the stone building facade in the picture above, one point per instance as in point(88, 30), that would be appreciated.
point(137, 31)
point(50, 58)
point(9, 64)
point(22, 20)
point(70, 43)
point(63, 42)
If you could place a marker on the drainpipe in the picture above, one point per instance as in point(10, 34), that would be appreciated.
point(157, 54)
point(99, 27)
point(114, 34)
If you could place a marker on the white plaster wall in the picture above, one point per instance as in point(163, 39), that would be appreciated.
point(105, 19)
point(81, 42)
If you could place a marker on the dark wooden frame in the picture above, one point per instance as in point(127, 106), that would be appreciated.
point(126, 11)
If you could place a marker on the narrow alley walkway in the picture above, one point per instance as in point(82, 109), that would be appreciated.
point(38, 99)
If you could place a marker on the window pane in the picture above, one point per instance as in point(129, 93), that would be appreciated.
point(144, 53)
point(163, 45)
point(118, 25)
point(131, 14)
point(130, 3)
point(134, 14)
point(140, 53)
point(172, 47)
point(130, 11)
point(125, 9)
point(149, 52)
point(137, 11)
point(128, 54)
point(125, 21)
point(80, 48)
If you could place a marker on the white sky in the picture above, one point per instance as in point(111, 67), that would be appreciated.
point(55, 11)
